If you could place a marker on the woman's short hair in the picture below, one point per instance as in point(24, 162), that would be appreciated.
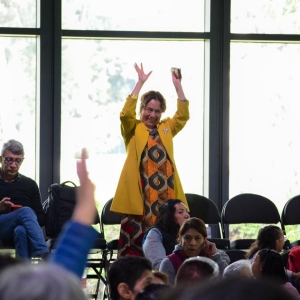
point(39, 281)
point(147, 97)
point(192, 223)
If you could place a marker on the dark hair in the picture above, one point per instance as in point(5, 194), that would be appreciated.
point(147, 97)
point(165, 219)
point(13, 146)
point(266, 238)
point(194, 223)
point(272, 266)
point(153, 291)
point(196, 270)
point(230, 289)
point(127, 269)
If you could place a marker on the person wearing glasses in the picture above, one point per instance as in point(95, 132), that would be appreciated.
point(21, 212)
point(149, 176)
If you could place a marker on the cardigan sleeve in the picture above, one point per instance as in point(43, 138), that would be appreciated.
point(153, 248)
point(166, 266)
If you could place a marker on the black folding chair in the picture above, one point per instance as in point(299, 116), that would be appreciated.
point(291, 216)
point(107, 219)
point(206, 210)
point(248, 208)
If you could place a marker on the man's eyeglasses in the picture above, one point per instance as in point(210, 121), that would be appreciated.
point(10, 160)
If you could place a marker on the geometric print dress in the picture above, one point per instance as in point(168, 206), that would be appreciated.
point(157, 182)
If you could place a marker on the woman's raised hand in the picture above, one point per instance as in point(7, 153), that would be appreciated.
point(142, 75)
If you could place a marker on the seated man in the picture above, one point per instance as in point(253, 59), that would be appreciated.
point(24, 224)
point(127, 276)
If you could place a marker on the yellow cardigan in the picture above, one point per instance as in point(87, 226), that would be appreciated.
point(128, 198)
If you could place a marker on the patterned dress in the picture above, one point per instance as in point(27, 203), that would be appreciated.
point(157, 181)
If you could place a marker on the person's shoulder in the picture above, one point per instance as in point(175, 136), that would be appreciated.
point(27, 179)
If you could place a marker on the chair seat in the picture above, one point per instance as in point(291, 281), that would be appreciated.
point(241, 244)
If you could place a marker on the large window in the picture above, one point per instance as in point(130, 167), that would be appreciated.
point(264, 87)
point(66, 67)
point(97, 77)
point(18, 96)
point(134, 15)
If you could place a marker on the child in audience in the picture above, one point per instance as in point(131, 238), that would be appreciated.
point(270, 237)
point(268, 264)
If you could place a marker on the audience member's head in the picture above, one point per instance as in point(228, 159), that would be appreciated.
point(268, 264)
point(239, 268)
point(128, 275)
point(195, 270)
point(39, 281)
point(270, 237)
point(160, 277)
point(153, 291)
point(13, 146)
point(230, 289)
point(171, 215)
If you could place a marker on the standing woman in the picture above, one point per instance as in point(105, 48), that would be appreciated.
point(149, 176)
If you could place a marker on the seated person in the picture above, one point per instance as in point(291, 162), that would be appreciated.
point(23, 226)
point(160, 240)
point(268, 265)
point(270, 237)
point(192, 242)
point(196, 270)
point(127, 276)
point(239, 268)
point(60, 278)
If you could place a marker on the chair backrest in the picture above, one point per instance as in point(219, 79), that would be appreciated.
point(206, 210)
point(290, 213)
point(203, 208)
point(249, 208)
point(109, 217)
